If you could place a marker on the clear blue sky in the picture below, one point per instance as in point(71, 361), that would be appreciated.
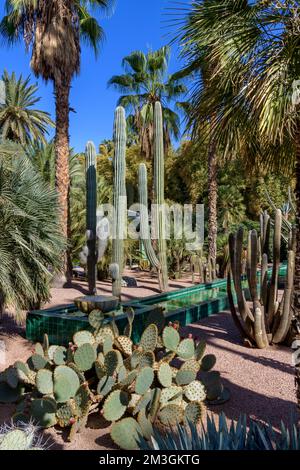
point(136, 24)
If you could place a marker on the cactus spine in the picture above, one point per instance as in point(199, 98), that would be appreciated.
point(120, 199)
point(159, 260)
point(91, 215)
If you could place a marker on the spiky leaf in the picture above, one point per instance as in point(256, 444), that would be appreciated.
point(185, 377)
point(44, 382)
point(164, 374)
point(186, 349)
point(125, 433)
point(85, 357)
point(66, 383)
point(60, 356)
point(171, 415)
point(115, 405)
point(83, 337)
point(195, 391)
point(144, 380)
point(171, 338)
point(149, 338)
point(43, 411)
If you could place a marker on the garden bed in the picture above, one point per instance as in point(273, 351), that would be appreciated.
point(261, 382)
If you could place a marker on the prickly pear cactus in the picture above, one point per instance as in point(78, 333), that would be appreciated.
point(135, 386)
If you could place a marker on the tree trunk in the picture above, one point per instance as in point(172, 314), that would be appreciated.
point(297, 258)
point(212, 203)
point(62, 94)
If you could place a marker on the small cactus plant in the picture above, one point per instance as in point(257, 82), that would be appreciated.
point(21, 436)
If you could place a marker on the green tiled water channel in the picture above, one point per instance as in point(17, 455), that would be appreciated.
point(189, 299)
point(186, 305)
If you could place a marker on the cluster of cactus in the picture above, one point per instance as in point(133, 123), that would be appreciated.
point(157, 260)
point(207, 271)
point(133, 386)
point(269, 320)
point(21, 436)
point(120, 200)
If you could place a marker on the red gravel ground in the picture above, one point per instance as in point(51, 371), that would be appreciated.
point(261, 382)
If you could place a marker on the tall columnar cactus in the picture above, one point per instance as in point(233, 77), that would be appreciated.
point(120, 198)
point(269, 319)
point(159, 191)
point(159, 260)
point(144, 219)
point(91, 215)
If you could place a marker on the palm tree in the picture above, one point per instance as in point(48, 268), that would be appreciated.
point(19, 121)
point(199, 67)
point(55, 29)
point(257, 48)
point(146, 81)
point(30, 240)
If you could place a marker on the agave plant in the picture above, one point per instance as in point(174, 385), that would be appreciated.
point(30, 240)
point(244, 435)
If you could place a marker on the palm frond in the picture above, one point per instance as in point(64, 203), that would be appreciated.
point(18, 120)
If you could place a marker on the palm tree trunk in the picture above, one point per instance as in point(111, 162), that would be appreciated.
point(212, 203)
point(297, 258)
point(62, 94)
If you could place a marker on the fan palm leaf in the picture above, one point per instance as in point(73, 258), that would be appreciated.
point(19, 121)
point(146, 81)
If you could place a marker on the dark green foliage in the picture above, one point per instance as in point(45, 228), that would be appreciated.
point(30, 241)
